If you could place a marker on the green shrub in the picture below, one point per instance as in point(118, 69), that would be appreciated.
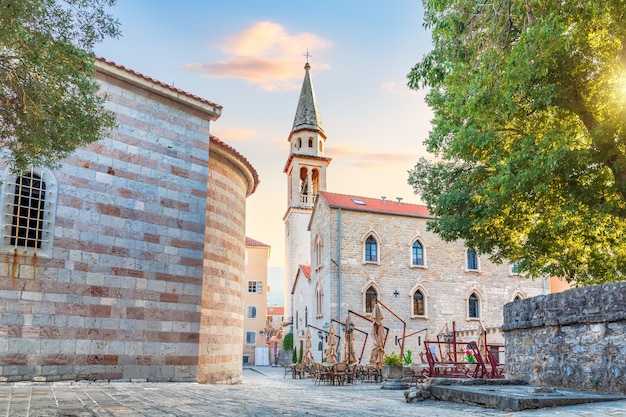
point(392, 359)
point(408, 359)
point(294, 355)
point(300, 355)
point(288, 342)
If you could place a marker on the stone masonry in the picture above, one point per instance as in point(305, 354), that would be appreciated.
point(444, 279)
point(574, 339)
point(148, 251)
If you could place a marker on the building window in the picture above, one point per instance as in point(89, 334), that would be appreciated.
point(418, 303)
point(371, 249)
point(473, 306)
point(317, 252)
point(251, 312)
point(28, 201)
point(515, 269)
point(417, 253)
point(255, 287)
point(472, 260)
point(310, 142)
point(306, 317)
point(250, 337)
point(246, 359)
point(319, 302)
point(371, 296)
point(518, 298)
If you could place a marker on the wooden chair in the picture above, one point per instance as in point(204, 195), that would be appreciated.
point(299, 371)
point(289, 368)
point(322, 374)
point(340, 373)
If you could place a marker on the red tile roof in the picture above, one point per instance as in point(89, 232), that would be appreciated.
point(377, 205)
point(252, 242)
point(239, 156)
point(275, 311)
point(171, 87)
point(307, 271)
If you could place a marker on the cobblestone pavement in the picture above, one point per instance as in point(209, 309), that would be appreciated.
point(264, 392)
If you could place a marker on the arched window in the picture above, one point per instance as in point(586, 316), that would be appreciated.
point(371, 296)
point(417, 253)
point(320, 147)
point(371, 249)
point(518, 298)
point(310, 142)
point(473, 306)
point(472, 260)
point(319, 302)
point(418, 303)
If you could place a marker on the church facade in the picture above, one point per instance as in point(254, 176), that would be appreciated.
point(127, 262)
point(363, 250)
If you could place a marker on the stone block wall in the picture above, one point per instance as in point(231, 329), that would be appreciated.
point(133, 260)
point(574, 339)
point(444, 279)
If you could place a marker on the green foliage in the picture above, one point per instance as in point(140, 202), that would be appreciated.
point(408, 359)
point(300, 354)
point(392, 359)
point(529, 133)
point(50, 100)
point(294, 355)
point(288, 342)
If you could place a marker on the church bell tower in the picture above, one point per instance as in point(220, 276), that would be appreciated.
point(306, 176)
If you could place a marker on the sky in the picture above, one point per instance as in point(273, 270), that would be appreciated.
point(249, 57)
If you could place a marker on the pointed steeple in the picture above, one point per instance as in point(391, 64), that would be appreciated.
point(307, 114)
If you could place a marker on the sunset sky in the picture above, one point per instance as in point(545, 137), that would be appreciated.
point(248, 56)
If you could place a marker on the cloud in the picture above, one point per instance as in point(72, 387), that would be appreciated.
point(264, 54)
point(384, 160)
point(235, 135)
point(394, 87)
point(370, 160)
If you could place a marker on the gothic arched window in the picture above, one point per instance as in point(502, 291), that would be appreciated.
point(371, 296)
point(418, 303)
point(417, 253)
point(371, 249)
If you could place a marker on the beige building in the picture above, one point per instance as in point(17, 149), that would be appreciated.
point(346, 252)
point(275, 318)
point(254, 289)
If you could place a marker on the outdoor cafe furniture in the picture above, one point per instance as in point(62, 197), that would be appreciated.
point(340, 373)
point(322, 373)
point(493, 367)
point(462, 360)
point(371, 374)
point(289, 368)
point(299, 371)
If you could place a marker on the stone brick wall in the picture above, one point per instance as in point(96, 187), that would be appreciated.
point(444, 280)
point(221, 332)
point(574, 339)
point(121, 295)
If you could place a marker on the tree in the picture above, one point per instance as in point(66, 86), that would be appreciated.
point(529, 133)
point(50, 102)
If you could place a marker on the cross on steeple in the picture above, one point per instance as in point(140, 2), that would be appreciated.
point(307, 55)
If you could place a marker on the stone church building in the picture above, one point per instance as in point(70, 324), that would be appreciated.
point(345, 252)
point(127, 262)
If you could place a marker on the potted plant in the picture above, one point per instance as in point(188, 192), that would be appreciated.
point(392, 366)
